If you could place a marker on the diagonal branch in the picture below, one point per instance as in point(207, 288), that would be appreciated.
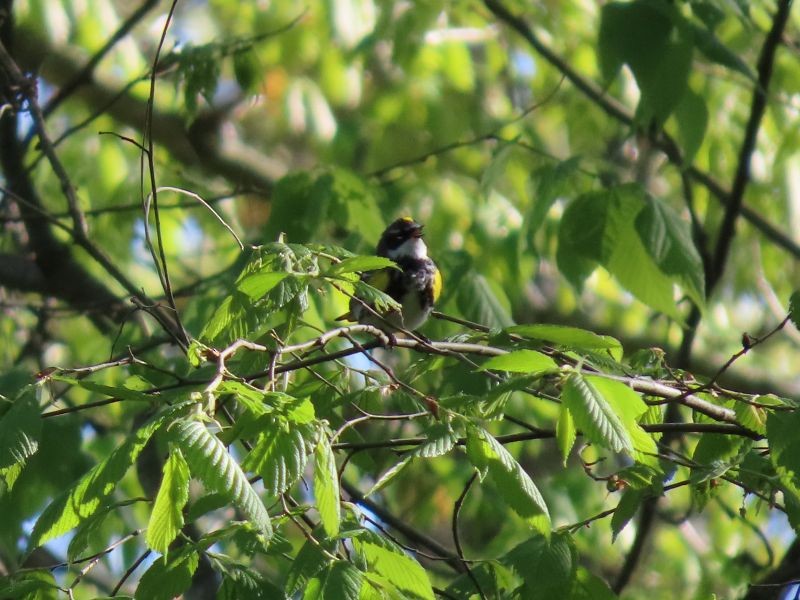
point(757, 108)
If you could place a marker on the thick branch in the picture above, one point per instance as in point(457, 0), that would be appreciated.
point(20, 273)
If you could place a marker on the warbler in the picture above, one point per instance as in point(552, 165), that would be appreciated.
point(416, 286)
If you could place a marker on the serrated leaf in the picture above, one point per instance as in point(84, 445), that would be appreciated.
point(339, 581)
point(170, 576)
point(210, 462)
point(441, 439)
point(626, 507)
point(233, 317)
point(547, 565)
point(511, 480)
point(326, 487)
point(389, 475)
point(33, 585)
point(390, 561)
point(166, 520)
point(89, 493)
point(359, 264)
point(382, 302)
point(20, 429)
point(521, 361)
point(309, 561)
point(752, 417)
point(242, 583)
point(279, 456)
point(565, 433)
point(563, 335)
point(594, 416)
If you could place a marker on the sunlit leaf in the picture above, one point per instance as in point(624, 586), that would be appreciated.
point(166, 519)
point(326, 487)
point(594, 416)
point(210, 462)
point(521, 361)
point(390, 561)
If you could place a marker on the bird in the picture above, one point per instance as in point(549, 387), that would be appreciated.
point(416, 286)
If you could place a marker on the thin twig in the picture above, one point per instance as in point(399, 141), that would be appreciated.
point(161, 260)
point(456, 539)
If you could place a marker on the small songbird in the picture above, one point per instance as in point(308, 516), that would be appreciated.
point(416, 286)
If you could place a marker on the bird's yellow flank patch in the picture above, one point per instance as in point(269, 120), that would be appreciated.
point(437, 285)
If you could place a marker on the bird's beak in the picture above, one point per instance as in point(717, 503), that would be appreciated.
point(417, 233)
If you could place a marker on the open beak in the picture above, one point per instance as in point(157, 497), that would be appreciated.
point(417, 233)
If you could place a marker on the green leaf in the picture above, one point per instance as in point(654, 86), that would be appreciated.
point(570, 337)
point(594, 416)
point(441, 440)
point(242, 583)
point(511, 480)
point(33, 585)
point(390, 561)
point(751, 416)
point(794, 309)
point(234, 317)
point(382, 302)
point(479, 301)
point(597, 228)
point(784, 444)
point(654, 39)
point(626, 508)
point(170, 576)
point(630, 407)
point(389, 475)
point(546, 565)
point(551, 183)
point(210, 462)
point(691, 116)
point(326, 487)
point(20, 429)
point(247, 69)
point(279, 456)
point(309, 561)
point(668, 240)
point(590, 587)
point(565, 433)
point(257, 285)
point(714, 50)
point(358, 264)
point(339, 581)
point(521, 361)
point(90, 492)
point(121, 392)
point(166, 520)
